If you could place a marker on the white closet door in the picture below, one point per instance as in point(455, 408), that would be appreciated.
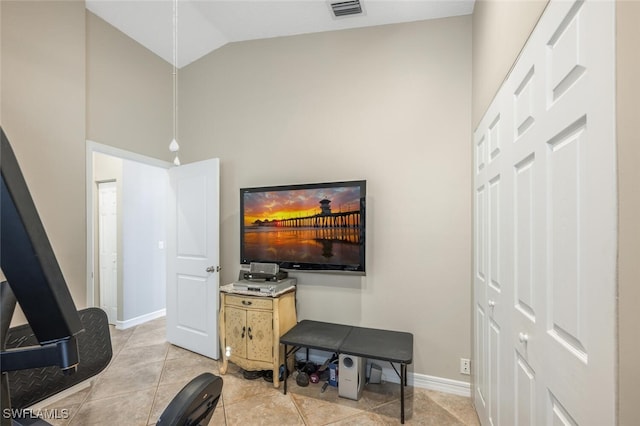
point(545, 228)
point(108, 249)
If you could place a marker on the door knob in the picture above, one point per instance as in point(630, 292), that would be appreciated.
point(213, 269)
point(491, 303)
point(523, 337)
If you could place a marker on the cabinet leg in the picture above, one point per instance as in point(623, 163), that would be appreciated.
point(223, 337)
point(225, 361)
point(276, 376)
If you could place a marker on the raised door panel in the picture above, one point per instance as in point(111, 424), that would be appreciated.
point(524, 99)
point(260, 335)
point(481, 238)
point(525, 393)
point(494, 236)
point(496, 369)
point(480, 369)
point(524, 237)
point(566, 309)
point(236, 330)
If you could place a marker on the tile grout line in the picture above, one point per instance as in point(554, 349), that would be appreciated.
point(293, 401)
point(155, 394)
point(97, 379)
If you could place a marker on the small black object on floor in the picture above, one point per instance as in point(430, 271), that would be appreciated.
point(252, 375)
point(267, 375)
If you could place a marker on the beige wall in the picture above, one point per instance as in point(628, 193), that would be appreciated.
point(628, 111)
point(129, 93)
point(129, 106)
point(43, 102)
point(67, 77)
point(388, 104)
point(500, 29)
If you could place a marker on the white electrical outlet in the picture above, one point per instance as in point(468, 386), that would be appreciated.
point(465, 366)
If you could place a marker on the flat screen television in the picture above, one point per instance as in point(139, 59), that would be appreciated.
point(307, 227)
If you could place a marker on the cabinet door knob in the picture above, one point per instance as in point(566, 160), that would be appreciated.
point(246, 302)
point(249, 333)
point(491, 303)
point(243, 330)
point(523, 337)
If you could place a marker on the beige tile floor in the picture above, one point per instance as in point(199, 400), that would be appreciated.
point(146, 372)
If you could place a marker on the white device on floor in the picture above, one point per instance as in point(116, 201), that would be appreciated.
point(352, 376)
point(375, 376)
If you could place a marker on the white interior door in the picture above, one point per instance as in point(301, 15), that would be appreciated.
point(193, 257)
point(545, 228)
point(108, 249)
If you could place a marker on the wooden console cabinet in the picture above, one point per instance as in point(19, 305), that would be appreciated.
point(251, 327)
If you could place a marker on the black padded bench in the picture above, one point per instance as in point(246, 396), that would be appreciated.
point(373, 343)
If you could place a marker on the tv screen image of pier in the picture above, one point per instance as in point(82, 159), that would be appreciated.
point(319, 225)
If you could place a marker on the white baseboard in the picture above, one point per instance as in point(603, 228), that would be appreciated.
point(423, 381)
point(455, 387)
point(123, 325)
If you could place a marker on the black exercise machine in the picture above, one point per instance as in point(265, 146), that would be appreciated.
point(60, 346)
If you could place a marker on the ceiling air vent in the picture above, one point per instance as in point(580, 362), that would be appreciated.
point(344, 8)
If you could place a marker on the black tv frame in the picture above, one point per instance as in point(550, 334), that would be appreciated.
point(358, 268)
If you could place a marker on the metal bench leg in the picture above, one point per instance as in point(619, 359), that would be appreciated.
point(286, 369)
point(403, 383)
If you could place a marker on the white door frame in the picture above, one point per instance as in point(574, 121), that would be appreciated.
point(95, 147)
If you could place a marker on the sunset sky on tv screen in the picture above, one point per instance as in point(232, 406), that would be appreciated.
point(274, 205)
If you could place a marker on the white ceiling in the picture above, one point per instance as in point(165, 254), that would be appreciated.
point(205, 25)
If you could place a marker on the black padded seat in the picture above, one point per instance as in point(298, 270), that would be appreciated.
point(195, 403)
point(33, 385)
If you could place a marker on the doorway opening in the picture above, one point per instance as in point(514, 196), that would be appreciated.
point(126, 234)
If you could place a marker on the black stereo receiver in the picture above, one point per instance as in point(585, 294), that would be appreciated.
point(262, 276)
